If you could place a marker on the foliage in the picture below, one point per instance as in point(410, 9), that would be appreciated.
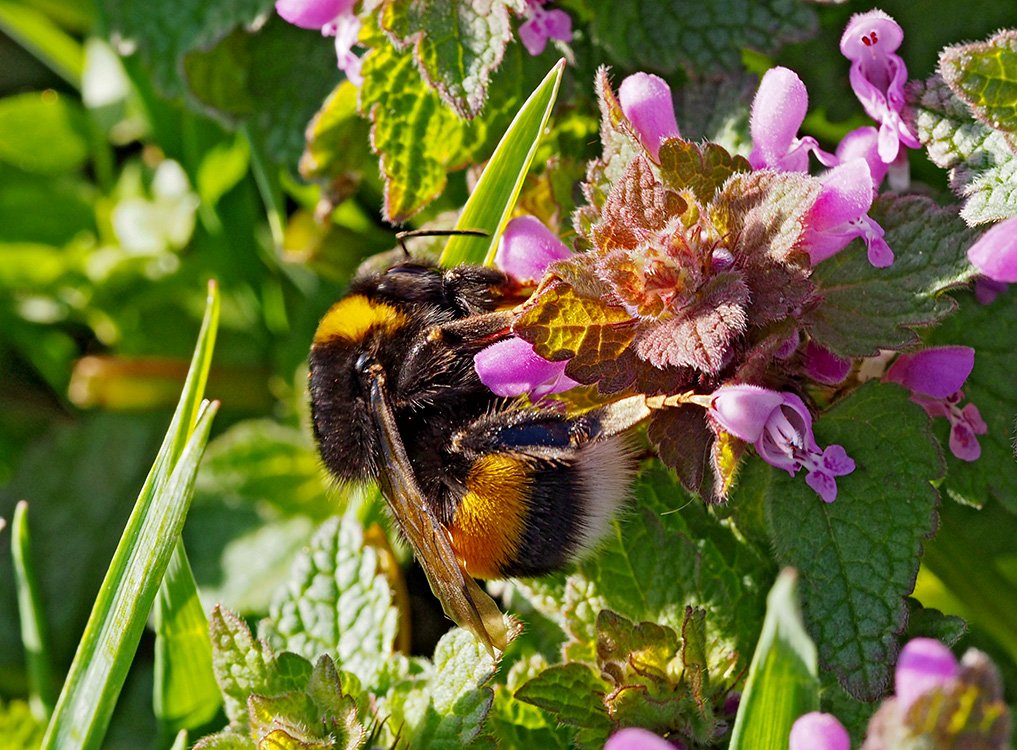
point(148, 149)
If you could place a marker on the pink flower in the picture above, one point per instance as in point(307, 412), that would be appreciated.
point(527, 248)
point(646, 101)
point(840, 214)
point(780, 428)
point(541, 25)
point(995, 252)
point(823, 366)
point(633, 738)
point(924, 664)
point(510, 367)
point(935, 377)
point(334, 18)
point(986, 289)
point(818, 731)
point(878, 75)
point(862, 143)
point(778, 111)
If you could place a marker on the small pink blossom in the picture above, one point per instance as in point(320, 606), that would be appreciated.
point(334, 18)
point(986, 290)
point(778, 111)
point(840, 215)
point(527, 248)
point(924, 664)
point(935, 377)
point(646, 101)
point(863, 143)
point(634, 738)
point(878, 75)
point(541, 25)
point(818, 731)
point(995, 252)
point(780, 428)
point(823, 366)
point(511, 368)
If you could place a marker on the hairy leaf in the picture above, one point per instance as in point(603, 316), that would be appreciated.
point(703, 169)
point(337, 602)
point(982, 161)
point(984, 75)
point(572, 693)
point(858, 556)
point(337, 150)
point(702, 36)
point(457, 44)
point(866, 309)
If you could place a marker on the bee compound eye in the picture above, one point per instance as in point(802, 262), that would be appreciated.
point(364, 363)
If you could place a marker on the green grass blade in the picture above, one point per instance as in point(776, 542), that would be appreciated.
point(128, 592)
point(783, 682)
point(126, 597)
point(491, 204)
point(186, 694)
point(50, 44)
point(33, 625)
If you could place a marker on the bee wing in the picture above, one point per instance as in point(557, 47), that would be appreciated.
point(461, 598)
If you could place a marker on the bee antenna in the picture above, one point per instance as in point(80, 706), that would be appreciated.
point(401, 236)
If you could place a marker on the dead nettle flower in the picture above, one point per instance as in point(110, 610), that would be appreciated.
point(779, 426)
point(636, 738)
point(541, 25)
point(510, 367)
point(818, 731)
point(841, 214)
point(823, 366)
point(778, 111)
point(935, 377)
point(878, 76)
point(995, 252)
point(646, 101)
point(334, 18)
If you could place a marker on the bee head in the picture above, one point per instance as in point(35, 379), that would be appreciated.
point(352, 334)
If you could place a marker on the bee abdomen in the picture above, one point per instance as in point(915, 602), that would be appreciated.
point(524, 516)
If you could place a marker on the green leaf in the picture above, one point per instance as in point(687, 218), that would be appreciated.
point(514, 723)
point(991, 330)
point(35, 31)
point(984, 75)
point(457, 44)
point(927, 622)
point(33, 623)
point(705, 37)
point(45, 133)
point(222, 167)
point(491, 203)
point(982, 161)
point(337, 150)
point(19, 729)
point(866, 309)
point(783, 682)
point(244, 667)
point(573, 694)
point(337, 602)
point(128, 592)
point(854, 606)
point(186, 695)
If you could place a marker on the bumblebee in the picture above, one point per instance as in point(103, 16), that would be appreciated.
point(480, 486)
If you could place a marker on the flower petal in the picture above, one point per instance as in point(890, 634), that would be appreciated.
point(527, 248)
point(862, 143)
point(818, 731)
point(743, 410)
point(634, 738)
point(846, 195)
point(312, 14)
point(511, 368)
point(558, 25)
point(778, 111)
point(938, 372)
point(995, 252)
point(924, 664)
point(646, 101)
point(824, 366)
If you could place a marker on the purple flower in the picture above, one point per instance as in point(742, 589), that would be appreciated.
point(823, 366)
point(935, 377)
point(986, 289)
point(778, 111)
point(633, 738)
point(840, 214)
point(646, 101)
point(510, 367)
point(527, 248)
point(541, 25)
point(863, 143)
point(878, 75)
point(334, 18)
point(818, 731)
point(924, 664)
point(995, 252)
point(780, 427)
